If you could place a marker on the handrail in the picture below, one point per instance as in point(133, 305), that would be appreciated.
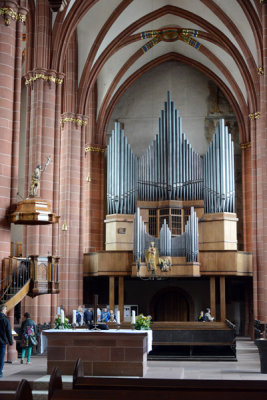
point(15, 280)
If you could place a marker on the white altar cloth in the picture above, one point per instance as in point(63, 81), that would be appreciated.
point(90, 331)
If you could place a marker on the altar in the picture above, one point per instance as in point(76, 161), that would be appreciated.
point(104, 353)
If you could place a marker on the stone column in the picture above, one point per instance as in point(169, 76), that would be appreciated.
point(259, 158)
point(11, 21)
point(247, 195)
point(43, 140)
point(95, 197)
point(72, 181)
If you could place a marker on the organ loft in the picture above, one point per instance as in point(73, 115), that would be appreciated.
point(176, 207)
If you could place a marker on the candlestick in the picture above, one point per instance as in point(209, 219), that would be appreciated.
point(74, 317)
point(118, 318)
point(133, 317)
point(62, 316)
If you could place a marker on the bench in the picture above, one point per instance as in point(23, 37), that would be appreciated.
point(12, 390)
point(198, 340)
point(97, 388)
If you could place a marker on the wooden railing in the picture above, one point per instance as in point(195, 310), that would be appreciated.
point(31, 276)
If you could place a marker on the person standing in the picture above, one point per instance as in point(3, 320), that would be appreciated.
point(28, 337)
point(5, 336)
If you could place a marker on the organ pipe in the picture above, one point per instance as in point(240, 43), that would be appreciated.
point(185, 245)
point(121, 174)
point(219, 183)
point(170, 169)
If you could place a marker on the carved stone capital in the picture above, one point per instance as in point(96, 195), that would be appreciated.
point(50, 76)
point(12, 11)
point(71, 118)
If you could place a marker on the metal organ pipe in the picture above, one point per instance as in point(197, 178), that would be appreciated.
point(185, 245)
point(121, 174)
point(219, 183)
point(170, 169)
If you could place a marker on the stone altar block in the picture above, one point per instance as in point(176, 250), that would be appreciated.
point(104, 353)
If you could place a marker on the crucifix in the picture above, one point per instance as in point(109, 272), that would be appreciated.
point(95, 328)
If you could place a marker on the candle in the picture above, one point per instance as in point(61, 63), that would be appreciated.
point(74, 317)
point(118, 318)
point(133, 317)
point(58, 310)
point(62, 316)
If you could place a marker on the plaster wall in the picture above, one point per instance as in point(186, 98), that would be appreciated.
point(140, 106)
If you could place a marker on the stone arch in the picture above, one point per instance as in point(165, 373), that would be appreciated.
point(102, 126)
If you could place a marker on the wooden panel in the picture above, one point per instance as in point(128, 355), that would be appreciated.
point(212, 296)
point(116, 263)
point(222, 298)
point(111, 293)
point(121, 296)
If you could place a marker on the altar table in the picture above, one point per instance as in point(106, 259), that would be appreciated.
point(104, 353)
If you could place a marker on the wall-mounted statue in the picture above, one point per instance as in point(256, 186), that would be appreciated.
point(35, 183)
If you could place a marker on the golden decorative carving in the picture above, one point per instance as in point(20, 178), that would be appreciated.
point(91, 148)
point(73, 120)
point(255, 115)
point(260, 70)
point(48, 78)
point(10, 14)
point(245, 145)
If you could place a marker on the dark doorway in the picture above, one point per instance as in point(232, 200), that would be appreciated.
point(171, 304)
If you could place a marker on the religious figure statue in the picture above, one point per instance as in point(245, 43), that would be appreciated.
point(165, 263)
point(152, 257)
point(35, 183)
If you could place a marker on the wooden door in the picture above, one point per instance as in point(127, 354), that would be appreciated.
point(171, 305)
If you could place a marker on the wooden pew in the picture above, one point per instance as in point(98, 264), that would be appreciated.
point(201, 340)
point(11, 390)
point(160, 389)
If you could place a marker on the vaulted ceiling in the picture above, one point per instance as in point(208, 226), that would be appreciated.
point(119, 40)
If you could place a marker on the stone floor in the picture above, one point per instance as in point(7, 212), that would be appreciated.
point(247, 367)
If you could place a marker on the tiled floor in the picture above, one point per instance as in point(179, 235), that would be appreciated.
point(246, 368)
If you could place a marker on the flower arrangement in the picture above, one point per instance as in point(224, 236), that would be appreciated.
point(60, 325)
point(142, 322)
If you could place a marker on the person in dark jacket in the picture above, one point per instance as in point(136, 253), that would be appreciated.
point(88, 316)
point(5, 336)
point(28, 337)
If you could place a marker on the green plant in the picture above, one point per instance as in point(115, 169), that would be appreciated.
point(142, 322)
point(60, 325)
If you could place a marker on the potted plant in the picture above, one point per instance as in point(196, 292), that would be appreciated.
point(59, 325)
point(142, 322)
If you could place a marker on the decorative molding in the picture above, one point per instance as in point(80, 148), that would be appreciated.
point(77, 121)
point(170, 35)
point(255, 115)
point(245, 145)
point(9, 14)
point(47, 78)
point(92, 148)
point(260, 70)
